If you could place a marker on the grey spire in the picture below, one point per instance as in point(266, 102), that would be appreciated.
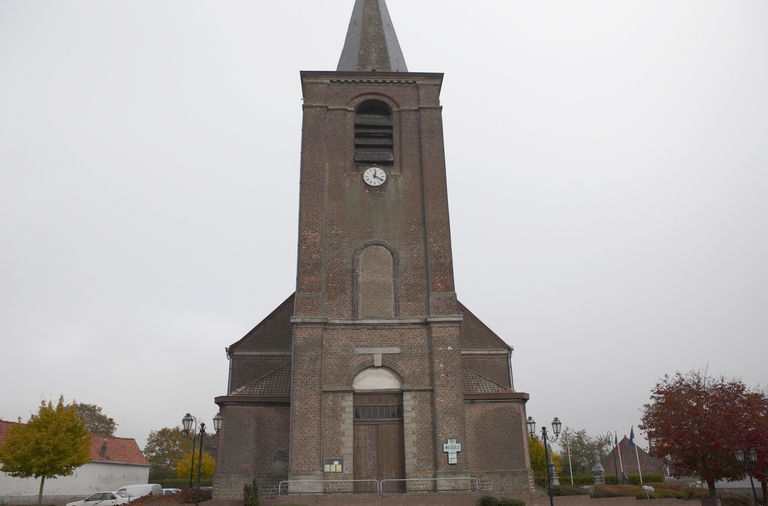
point(371, 40)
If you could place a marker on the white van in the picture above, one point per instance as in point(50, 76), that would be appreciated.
point(136, 491)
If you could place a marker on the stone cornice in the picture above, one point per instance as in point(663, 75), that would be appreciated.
point(486, 352)
point(262, 353)
point(375, 321)
point(250, 399)
point(501, 396)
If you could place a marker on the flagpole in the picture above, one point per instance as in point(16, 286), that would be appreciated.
point(637, 454)
point(615, 465)
point(568, 448)
point(616, 438)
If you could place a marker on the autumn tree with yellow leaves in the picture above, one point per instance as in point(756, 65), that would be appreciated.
point(207, 469)
point(54, 442)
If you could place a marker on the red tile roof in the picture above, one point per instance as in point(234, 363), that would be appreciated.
point(119, 450)
point(275, 384)
point(476, 384)
point(4, 426)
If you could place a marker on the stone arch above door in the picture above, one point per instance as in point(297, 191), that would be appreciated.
point(377, 379)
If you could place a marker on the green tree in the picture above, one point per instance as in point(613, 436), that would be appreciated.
point(251, 494)
point(164, 449)
point(581, 446)
point(696, 421)
point(54, 442)
point(95, 421)
point(207, 469)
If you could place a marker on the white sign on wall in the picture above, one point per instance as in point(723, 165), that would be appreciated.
point(452, 448)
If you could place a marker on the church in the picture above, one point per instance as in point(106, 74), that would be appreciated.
point(372, 376)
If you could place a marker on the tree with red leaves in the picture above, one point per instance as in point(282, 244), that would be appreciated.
point(695, 424)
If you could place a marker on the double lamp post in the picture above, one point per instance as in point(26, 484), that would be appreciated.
point(748, 460)
point(187, 423)
point(556, 425)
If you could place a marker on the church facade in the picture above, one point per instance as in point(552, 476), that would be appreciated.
point(372, 375)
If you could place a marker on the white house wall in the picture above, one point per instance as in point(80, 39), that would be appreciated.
point(90, 478)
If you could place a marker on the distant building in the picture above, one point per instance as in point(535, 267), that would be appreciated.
point(628, 461)
point(115, 461)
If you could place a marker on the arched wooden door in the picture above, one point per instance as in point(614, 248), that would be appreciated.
point(379, 448)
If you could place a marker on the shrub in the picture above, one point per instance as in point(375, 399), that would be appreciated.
point(508, 501)
point(565, 479)
point(560, 490)
point(669, 493)
point(618, 491)
point(634, 479)
point(488, 500)
point(251, 494)
point(729, 499)
point(184, 497)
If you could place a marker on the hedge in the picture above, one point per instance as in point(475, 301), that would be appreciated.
point(588, 479)
point(183, 483)
point(184, 497)
point(501, 501)
point(661, 491)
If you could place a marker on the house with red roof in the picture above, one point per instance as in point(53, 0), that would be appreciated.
point(115, 462)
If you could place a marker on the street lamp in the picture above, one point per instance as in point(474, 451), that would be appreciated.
point(751, 459)
point(187, 422)
point(556, 425)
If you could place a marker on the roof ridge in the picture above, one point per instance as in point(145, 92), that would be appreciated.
point(465, 309)
point(263, 322)
point(114, 437)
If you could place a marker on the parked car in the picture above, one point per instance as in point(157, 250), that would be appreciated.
point(140, 490)
point(102, 499)
point(170, 491)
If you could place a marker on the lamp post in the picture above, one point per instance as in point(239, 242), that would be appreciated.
point(187, 422)
point(556, 425)
point(747, 460)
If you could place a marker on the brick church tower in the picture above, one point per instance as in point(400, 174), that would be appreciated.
point(372, 370)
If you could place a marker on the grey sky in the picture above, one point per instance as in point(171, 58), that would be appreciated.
point(607, 171)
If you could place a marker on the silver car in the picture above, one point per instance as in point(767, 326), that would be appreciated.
point(102, 499)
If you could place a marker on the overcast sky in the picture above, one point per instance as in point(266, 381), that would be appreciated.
point(607, 169)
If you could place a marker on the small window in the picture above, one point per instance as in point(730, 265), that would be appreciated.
point(373, 134)
point(379, 413)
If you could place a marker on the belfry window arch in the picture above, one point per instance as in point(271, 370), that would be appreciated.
point(374, 133)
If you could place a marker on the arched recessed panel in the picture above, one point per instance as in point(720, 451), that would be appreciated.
point(376, 283)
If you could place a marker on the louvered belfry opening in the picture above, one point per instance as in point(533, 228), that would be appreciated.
point(373, 134)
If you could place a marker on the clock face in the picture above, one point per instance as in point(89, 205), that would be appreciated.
point(374, 176)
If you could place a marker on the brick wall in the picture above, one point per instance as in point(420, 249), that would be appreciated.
point(252, 443)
